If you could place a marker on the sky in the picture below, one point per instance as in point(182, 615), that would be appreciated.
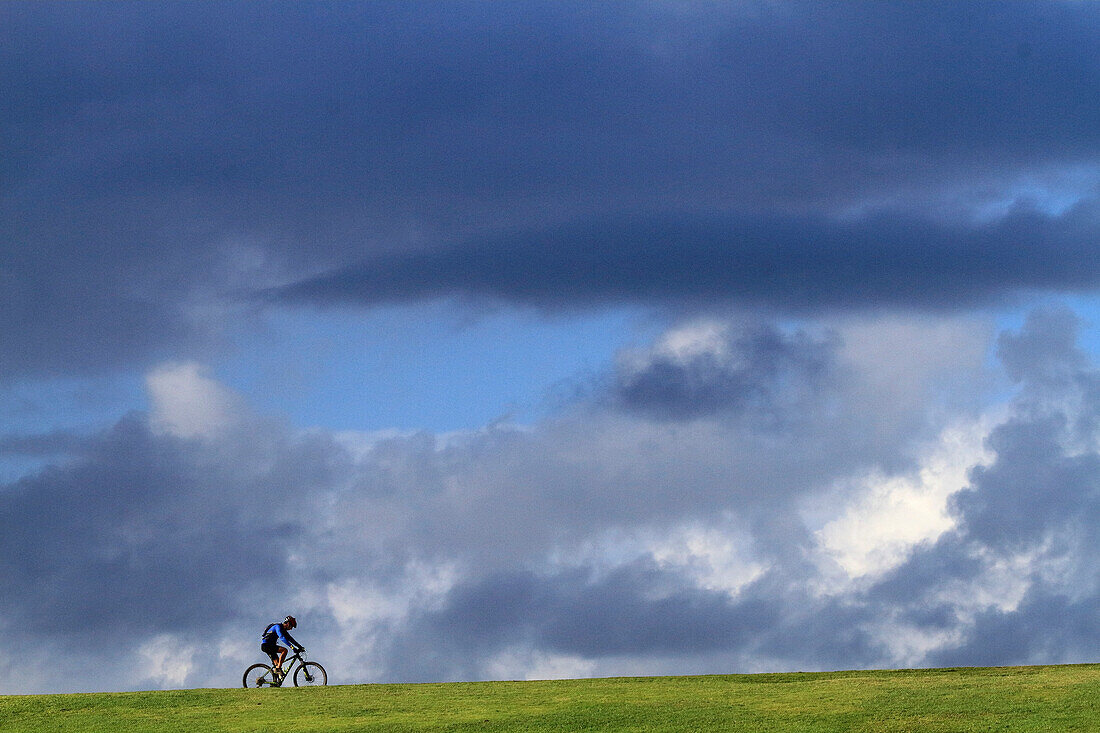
point(532, 340)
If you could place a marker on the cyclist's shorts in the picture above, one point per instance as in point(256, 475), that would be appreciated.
point(270, 648)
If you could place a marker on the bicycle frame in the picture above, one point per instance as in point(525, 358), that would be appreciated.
point(289, 662)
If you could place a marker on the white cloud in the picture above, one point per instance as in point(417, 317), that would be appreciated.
point(907, 363)
point(1001, 586)
point(165, 660)
point(719, 559)
point(358, 605)
point(909, 645)
point(188, 404)
point(373, 612)
point(716, 556)
point(524, 663)
point(703, 337)
point(889, 515)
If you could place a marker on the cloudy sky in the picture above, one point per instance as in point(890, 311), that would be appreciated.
point(527, 340)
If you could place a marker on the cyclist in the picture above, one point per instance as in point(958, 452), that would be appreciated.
point(279, 632)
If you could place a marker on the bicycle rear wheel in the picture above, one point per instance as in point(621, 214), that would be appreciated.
point(309, 674)
point(259, 675)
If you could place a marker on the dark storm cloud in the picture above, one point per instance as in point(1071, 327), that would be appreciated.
point(948, 80)
point(41, 444)
point(1045, 354)
point(373, 81)
point(358, 143)
point(794, 264)
point(131, 539)
point(760, 370)
point(637, 609)
point(143, 534)
point(1032, 490)
point(1046, 480)
point(1047, 625)
point(1036, 507)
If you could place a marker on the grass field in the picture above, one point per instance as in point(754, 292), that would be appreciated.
point(1061, 698)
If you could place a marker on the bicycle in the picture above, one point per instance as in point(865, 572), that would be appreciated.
point(306, 674)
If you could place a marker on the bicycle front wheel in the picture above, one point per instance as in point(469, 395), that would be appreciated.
point(259, 675)
point(310, 673)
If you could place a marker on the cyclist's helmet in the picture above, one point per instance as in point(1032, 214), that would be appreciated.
point(290, 621)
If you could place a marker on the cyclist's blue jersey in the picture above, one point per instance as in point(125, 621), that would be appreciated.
point(276, 631)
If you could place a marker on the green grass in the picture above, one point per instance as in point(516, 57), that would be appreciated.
point(1061, 698)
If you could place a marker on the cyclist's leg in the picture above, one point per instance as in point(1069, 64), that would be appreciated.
point(279, 660)
point(273, 651)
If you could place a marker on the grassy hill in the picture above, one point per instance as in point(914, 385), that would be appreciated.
point(1057, 698)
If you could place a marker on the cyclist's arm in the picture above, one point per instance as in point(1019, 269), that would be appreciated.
point(287, 639)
